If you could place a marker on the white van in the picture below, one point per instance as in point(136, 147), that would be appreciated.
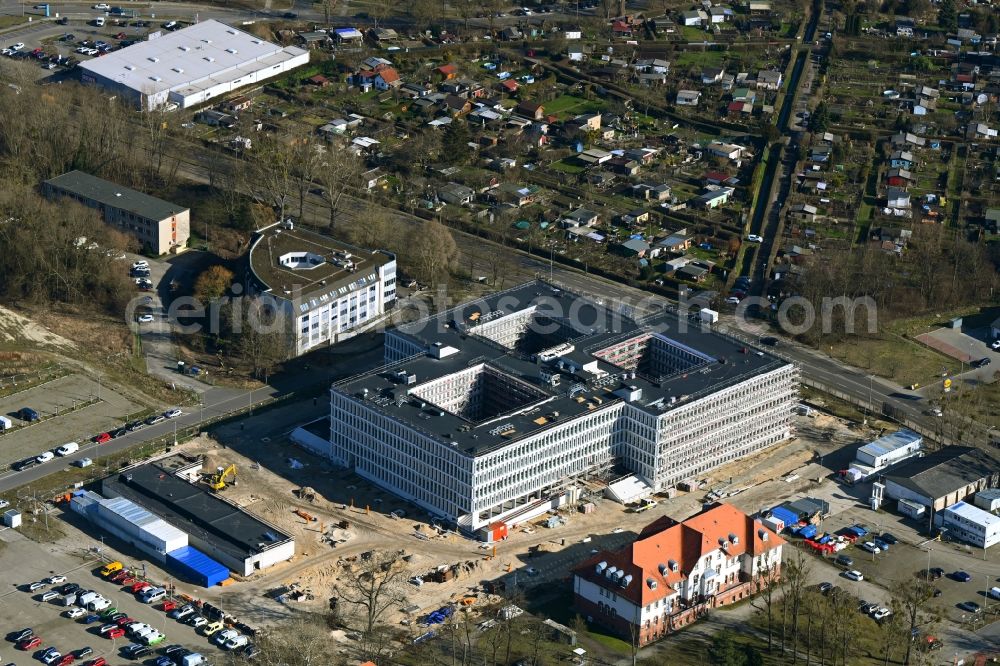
point(99, 22)
point(152, 595)
point(85, 599)
point(67, 448)
point(99, 604)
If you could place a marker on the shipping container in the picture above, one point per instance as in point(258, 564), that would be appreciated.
point(196, 566)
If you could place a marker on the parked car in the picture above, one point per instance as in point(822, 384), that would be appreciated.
point(34, 587)
point(51, 655)
point(154, 419)
point(970, 606)
point(888, 538)
point(44, 457)
point(28, 414)
point(102, 438)
point(981, 363)
point(83, 462)
point(881, 614)
point(172, 413)
point(74, 613)
point(22, 635)
point(854, 574)
point(56, 580)
point(182, 612)
point(881, 544)
point(961, 577)
point(871, 547)
point(936, 572)
point(100, 661)
point(145, 319)
point(49, 596)
point(825, 587)
point(754, 238)
point(845, 560)
point(29, 643)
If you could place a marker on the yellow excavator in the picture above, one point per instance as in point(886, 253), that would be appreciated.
point(218, 480)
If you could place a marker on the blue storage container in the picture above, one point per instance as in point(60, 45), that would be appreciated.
point(808, 532)
point(194, 565)
point(789, 518)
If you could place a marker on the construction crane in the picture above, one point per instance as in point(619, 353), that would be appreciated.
point(218, 480)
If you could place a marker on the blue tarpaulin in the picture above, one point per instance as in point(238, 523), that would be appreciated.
point(196, 566)
point(789, 518)
point(808, 532)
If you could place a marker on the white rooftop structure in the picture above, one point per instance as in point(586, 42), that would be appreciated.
point(971, 524)
point(890, 448)
point(628, 489)
point(191, 65)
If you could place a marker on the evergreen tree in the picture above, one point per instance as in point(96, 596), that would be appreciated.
point(947, 15)
point(454, 140)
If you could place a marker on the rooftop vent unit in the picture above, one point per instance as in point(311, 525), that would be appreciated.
point(153, 59)
point(733, 538)
point(651, 583)
point(184, 48)
point(626, 580)
point(601, 566)
point(207, 41)
point(130, 67)
point(231, 31)
point(209, 58)
point(233, 51)
point(673, 565)
point(610, 573)
point(178, 70)
point(662, 569)
point(154, 78)
point(762, 534)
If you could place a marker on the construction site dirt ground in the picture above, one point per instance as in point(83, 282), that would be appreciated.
point(271, 472)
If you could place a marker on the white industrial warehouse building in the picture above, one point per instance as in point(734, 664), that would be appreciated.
point(489, 413)
point(190, 66)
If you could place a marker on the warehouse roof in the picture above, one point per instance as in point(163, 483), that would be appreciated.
point(195, 53)
point(291, 262)
point(564, 334)
point(195, 510)
point(944, 471)
point(113, 195)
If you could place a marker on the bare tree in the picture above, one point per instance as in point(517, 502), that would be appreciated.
point(311, 647)
point(431, 251)
point(795, 572)
point(337, 174)
point(263, 335)
point(307, 159)
point(379, 585)
point(764, 598)
point(911, 597)
point(270, 174)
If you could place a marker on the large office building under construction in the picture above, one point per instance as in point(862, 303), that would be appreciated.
point(489, 414)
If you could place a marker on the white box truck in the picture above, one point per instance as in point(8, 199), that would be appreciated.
point(192, 660)
point(708, 316)
point(6, 423)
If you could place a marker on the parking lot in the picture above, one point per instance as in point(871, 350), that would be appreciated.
point(63, 420)
point(19, 609)
point(913, 556)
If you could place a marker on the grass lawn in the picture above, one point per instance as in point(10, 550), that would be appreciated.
point(700, 58)
point(10, 21)
point(567, 167)
point(894, 357)
point(572, 105)
point(695, 34)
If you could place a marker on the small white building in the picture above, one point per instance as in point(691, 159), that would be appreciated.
point(890, 448)
point(971, 524)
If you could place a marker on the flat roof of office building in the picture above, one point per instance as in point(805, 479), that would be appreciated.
point(292, 262)
point(114, 195)
point(589, 327)
point(184, 57)
point(194, 509)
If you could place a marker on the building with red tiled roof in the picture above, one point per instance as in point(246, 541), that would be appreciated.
point(386, 78)
point(675, 571)
point(448, 71)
